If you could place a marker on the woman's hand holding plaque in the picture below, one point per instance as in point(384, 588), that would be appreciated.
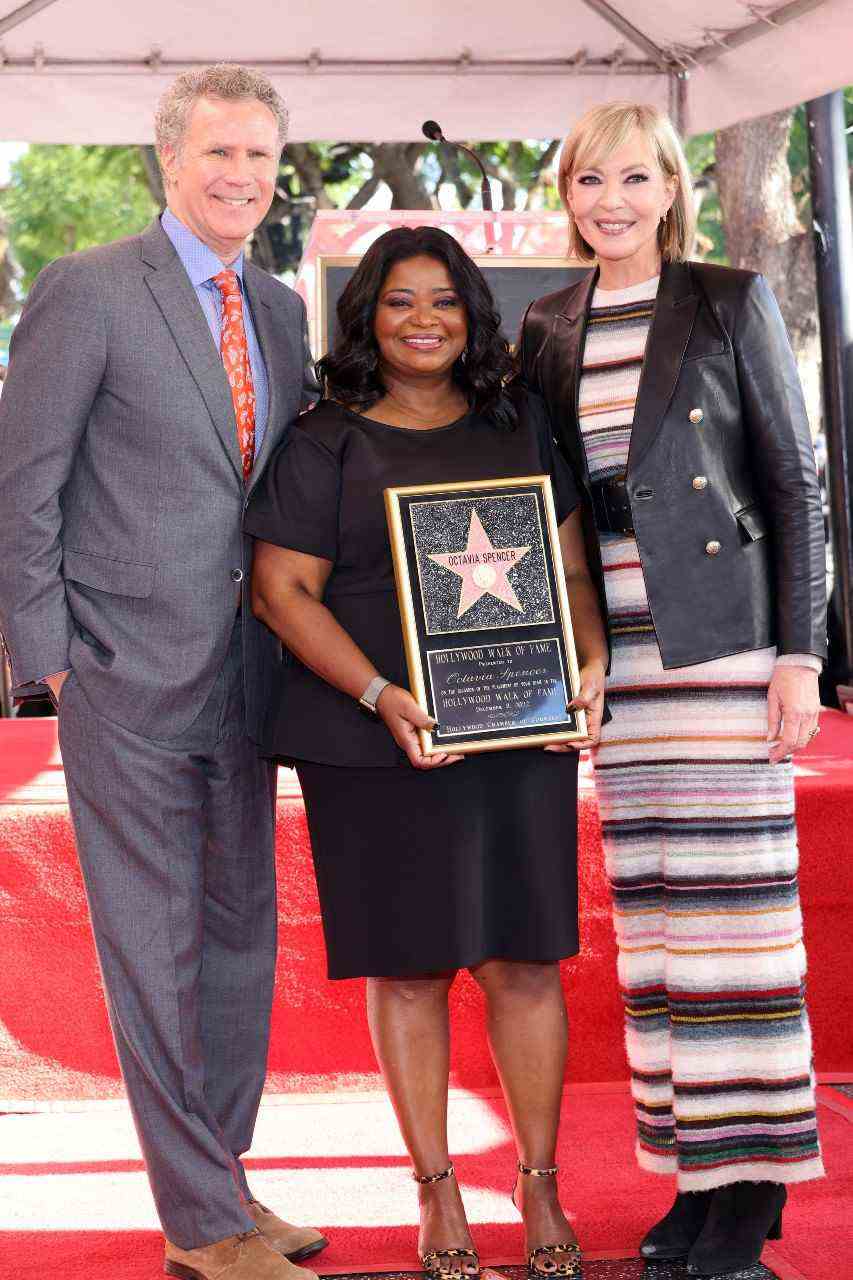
point(403, 718)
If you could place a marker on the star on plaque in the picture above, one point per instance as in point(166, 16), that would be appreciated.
point(483, 568)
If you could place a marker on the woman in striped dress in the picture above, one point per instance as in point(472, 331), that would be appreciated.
point(674, 394)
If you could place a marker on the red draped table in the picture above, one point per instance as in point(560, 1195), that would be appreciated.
point(54, 1037)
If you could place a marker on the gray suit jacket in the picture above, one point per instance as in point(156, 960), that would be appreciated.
point(121, 496)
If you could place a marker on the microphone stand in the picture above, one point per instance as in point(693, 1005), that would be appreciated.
point(432, 130)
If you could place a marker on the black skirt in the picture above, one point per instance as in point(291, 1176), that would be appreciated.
point(426, 871)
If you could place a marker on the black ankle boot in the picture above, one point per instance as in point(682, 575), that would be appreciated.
point(673, 1237)
point(741, 1217)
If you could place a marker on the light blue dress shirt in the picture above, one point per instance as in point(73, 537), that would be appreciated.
point(201, 265)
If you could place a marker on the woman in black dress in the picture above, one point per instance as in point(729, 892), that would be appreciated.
point(425, 865)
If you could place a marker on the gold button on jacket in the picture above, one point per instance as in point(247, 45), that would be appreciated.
point(713, 548)
point(700, 482)
point(696, 415)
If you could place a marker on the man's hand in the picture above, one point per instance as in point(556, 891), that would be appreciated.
point(793, 708)
point(403, 717)
point(55, 683)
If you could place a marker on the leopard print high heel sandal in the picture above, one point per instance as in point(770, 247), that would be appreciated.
point(432, 1260)
point(547, 1261)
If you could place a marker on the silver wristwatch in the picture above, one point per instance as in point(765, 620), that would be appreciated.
point(371, 694)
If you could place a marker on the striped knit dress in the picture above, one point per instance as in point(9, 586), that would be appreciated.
point(701, 853)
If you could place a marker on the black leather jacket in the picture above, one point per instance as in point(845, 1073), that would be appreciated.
point(719, 398)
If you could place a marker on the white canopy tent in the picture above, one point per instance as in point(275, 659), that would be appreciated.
point(91, 70)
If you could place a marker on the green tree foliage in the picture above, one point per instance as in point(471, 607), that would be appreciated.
point(701, 157)
point(63, 198)
point(523, 170)
point(345, 175)
point(710, 238)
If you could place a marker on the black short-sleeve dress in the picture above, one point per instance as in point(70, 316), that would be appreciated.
point(418, 871)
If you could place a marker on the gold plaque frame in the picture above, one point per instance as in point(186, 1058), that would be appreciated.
point(423, 642)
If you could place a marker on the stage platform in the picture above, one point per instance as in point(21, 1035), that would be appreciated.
point(54, 1038)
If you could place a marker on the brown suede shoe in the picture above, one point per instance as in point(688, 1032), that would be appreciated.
point(243, 1257)
point(295, 1243)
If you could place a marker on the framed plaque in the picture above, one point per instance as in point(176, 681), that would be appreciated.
point(485, 613)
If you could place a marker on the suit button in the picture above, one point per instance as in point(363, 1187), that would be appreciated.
point(700, 482)
point(236, 575)
point(713, 548)
point(696, 416)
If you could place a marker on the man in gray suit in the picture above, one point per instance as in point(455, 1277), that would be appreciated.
point(149, 382)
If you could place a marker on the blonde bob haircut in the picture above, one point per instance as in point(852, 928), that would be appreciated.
point(601, 131)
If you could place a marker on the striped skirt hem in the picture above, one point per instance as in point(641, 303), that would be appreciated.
point(732, 1170)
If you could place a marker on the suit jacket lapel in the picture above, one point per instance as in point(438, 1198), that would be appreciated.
point(568, 331)
point(178, 302)
point(275, 342)
point(672, 323)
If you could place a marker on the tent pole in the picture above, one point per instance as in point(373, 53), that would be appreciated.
point(678, 81)
point(833, 229)
point(637, 37)
point(22, 14)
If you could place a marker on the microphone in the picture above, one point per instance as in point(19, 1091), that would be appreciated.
point(432, 130)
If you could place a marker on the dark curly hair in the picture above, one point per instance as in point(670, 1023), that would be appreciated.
point(350, 371)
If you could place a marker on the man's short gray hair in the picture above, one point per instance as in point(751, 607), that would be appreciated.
point(226, 80)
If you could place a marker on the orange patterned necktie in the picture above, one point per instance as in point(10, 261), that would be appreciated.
point(235, 357)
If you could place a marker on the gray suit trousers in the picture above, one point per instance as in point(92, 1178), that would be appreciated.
point(176, 846)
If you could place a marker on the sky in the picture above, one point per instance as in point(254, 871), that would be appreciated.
point(9, 151)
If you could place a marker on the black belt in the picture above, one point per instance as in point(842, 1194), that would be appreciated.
point(611, 506)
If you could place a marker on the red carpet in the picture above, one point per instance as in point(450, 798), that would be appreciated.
point(54, 1039)
point(338, 1163)
point(73, 1197)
